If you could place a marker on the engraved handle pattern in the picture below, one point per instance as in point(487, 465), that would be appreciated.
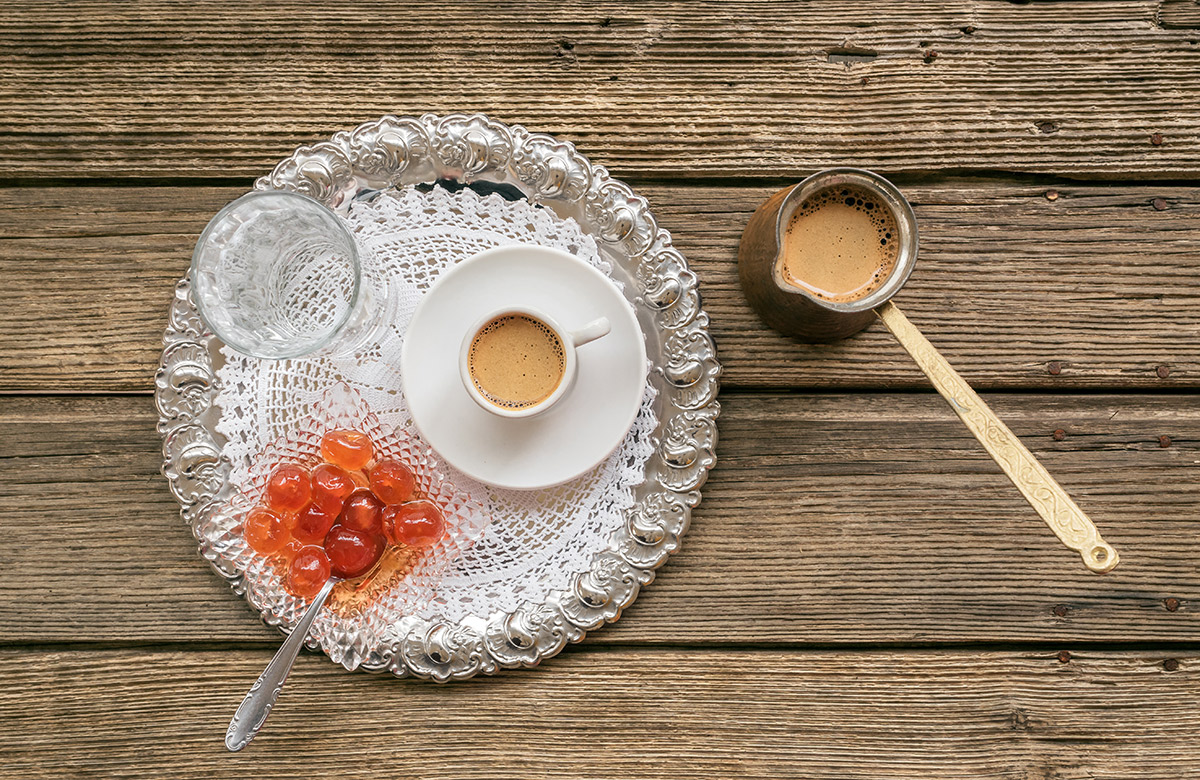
point(1064, 517)
point(253, 711)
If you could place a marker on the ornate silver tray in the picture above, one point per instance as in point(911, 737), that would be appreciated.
point(483, 153)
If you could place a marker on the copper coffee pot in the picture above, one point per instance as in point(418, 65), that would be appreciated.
point(795, 312)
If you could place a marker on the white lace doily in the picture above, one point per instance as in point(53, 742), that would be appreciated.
point(536, 541)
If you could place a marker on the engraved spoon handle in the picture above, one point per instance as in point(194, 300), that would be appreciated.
point(1065, 519)
point(253, 711)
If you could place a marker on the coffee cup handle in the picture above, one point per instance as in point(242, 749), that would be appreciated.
point(590, 332)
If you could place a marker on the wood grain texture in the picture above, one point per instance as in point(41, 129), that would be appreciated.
point(676, 90)
point(613, 714)
point(1179, 14)
point(857, 519)
point(862, 593)
point(1100, 280)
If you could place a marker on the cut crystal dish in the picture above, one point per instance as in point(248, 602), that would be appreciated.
point(359, 615)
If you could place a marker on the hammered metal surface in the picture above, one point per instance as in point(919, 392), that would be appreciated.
point(400, 151)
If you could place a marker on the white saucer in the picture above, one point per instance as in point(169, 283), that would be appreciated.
point(577, 433)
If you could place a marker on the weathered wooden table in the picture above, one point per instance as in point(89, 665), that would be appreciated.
point(862, 593)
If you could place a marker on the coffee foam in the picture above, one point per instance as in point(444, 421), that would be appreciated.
point(516, 361)
point(829, 245)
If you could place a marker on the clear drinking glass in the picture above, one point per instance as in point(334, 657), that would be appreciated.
point(277, 275)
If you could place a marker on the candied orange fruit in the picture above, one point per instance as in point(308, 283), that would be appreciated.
point(416, 524)
point(363, 512)
point(393, 482)
point(331, 486)
point(308, 571)
point(289, 488)
point(265, 531)
point(339, 518)
point(351, 450)
point(352, 553)
point(312, 524)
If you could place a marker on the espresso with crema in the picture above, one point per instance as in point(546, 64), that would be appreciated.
point(516, 361)
point(841, 244)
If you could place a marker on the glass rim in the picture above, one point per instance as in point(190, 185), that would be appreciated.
point(309, 203)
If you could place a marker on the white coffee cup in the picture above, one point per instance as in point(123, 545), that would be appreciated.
point(571, 340)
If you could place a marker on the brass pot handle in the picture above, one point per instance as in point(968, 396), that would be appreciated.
point(1065, 518)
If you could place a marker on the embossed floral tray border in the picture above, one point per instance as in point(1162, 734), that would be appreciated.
point(399, 151)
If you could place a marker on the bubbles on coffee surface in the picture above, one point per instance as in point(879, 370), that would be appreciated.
point(516, 361)
point(841, 244)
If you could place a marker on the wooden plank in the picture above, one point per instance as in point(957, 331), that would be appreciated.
point(1098, 284)
point(856, 519)
point(675, 714)
point(1179, 14)
point(1103, 280)
point(223, 89)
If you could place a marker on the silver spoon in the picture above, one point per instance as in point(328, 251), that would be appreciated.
point(253, 711)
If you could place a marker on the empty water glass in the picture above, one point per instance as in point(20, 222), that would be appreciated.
point(277, 275)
